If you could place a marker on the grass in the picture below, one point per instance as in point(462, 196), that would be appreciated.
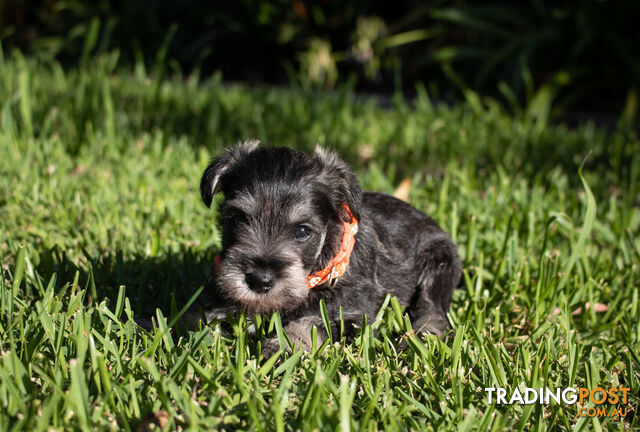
point(101, 223)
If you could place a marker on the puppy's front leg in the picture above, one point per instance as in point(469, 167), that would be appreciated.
point(299, 333)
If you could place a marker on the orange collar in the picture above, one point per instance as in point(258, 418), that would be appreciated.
point(339, 263)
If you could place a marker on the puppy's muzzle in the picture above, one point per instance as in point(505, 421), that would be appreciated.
point(260, 280)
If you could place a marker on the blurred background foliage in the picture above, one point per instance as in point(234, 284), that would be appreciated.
point(544, 59)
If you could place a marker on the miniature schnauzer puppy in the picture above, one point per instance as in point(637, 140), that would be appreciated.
point(297, 229)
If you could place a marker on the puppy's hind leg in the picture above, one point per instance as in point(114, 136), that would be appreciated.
point(440, 275)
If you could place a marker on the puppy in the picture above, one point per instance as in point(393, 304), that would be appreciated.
point(297, 229)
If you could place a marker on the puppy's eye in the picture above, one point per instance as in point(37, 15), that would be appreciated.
point(302, 232)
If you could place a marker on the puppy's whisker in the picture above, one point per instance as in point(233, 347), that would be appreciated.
point(320, 246)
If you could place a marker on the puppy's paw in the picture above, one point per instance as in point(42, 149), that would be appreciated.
point(269, 348)
point(432, 324)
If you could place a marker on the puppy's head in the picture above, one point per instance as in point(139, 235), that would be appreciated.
point(281, 220)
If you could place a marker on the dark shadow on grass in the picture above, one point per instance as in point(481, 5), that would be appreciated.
point(161, 282)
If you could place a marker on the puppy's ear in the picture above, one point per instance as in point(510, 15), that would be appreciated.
point(221, 165)
point(342, 183)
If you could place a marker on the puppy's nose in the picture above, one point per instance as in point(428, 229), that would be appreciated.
point(260, 280)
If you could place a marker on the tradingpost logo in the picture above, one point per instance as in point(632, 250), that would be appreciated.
point(607, 402)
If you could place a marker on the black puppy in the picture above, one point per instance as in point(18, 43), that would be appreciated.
point(289, 224)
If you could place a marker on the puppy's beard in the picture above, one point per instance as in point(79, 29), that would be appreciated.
point(289, 290)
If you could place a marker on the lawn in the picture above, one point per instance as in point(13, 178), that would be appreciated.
point(101, 223)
